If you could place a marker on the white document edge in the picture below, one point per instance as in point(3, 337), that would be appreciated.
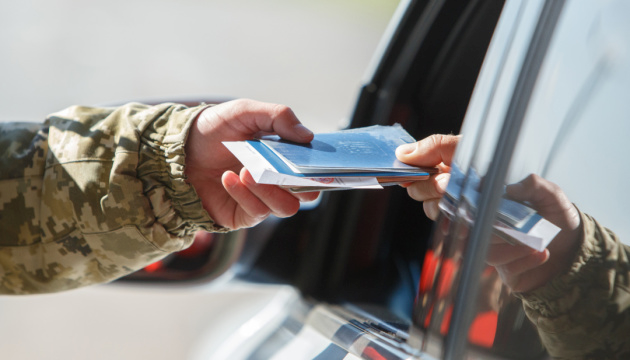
point(537, 238)
point(264, 173)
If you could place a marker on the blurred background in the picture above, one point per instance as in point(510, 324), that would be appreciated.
point(310, 55)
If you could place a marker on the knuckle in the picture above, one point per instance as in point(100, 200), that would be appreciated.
point(280, 111)
point(532, 181)
point(434, 140)
point(242, 101)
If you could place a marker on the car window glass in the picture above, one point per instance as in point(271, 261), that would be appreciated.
point(442, 264)
point(569, 152)
point(521, 19)
point(576, 127)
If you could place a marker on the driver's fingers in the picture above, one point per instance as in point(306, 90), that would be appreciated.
point(429, 151)
point(431, 208)
point(306, 196)
point(432, 188)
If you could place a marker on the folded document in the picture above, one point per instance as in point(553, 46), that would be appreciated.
point(516, 223)
point(362, 158)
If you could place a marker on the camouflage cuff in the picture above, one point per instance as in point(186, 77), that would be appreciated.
point(588, 276)
point(175, 203)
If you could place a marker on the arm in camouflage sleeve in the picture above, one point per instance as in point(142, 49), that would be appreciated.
point(96, 193)
point(585, 313)
point(93, 194)
point(580, 313)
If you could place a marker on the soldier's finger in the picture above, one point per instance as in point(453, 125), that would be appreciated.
point(279, 201)
point(271, 118)
point(505, 253)
point(250, 209)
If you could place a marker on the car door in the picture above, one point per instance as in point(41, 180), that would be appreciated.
point(356, 256)
point(380, 280)
point(538, 125)
point(549, 105)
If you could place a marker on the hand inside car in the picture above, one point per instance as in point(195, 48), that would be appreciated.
point(520, 267)
point(236, 201)
point(435, 150)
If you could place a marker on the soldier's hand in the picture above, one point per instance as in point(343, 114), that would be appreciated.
point(227, 190)
point(522, 268)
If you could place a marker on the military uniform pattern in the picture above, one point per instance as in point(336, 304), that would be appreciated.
point(93, 194)
point(585, 313)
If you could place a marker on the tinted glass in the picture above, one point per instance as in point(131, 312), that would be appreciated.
point(442, 264)
point(575, 133)
point(569, 165)
point(569, 154)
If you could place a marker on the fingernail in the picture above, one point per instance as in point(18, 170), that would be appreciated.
point(302, 131)
point(406, 149)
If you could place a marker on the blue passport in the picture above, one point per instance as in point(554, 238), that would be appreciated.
point(363, 150)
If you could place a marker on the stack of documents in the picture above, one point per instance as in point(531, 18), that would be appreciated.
point(362, 158)
point(516, 223)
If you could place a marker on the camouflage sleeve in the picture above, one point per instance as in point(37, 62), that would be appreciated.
point(94, 194)
point(585, 313)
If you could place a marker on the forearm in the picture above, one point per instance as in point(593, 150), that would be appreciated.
point(94, 194)
point(586, 312)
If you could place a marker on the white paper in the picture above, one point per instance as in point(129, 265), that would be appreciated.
point(264, 173)
point(537, 238)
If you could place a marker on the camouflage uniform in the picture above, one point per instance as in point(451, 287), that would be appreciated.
point(585, 313)
point(94, 194)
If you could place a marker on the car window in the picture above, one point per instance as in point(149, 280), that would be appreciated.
point(567, 150)
point(574, 132)
point(440, 276)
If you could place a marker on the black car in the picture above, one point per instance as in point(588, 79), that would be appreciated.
point(535, 87)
